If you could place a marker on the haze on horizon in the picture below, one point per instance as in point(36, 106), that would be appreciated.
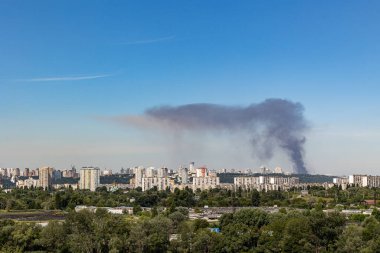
point(68, 68)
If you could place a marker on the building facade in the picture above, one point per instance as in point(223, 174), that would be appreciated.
point(89, 178)
point(45, 177)
point(183, 173)
point(266, 182)
point(205, 183)
point(160, 182)
point(139, 174)
point(27, 183)
point(359, 181)
point(162, 172)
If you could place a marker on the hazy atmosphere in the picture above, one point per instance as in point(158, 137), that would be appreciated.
point(281, 83)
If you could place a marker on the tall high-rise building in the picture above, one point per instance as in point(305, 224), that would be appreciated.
point(139, 174)
point(278, 170)
point(162, 172)
point(89, 178)
point(26, 172)
point(192, 167)
point(57, 174)
point(150, 172)
point(201, 172)
point(264, 170)
point(183, 174)
point(16, 172)
point(45, 177)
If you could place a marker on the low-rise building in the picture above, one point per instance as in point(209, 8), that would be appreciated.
point(266, 183)
point(113, 210)
point(27, 182)
point(358, 180)
point(160, 182)
point(204, 183)
point(73, 186)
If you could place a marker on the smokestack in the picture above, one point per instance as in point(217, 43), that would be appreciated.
point(274, 123)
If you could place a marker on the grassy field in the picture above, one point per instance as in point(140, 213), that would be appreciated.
point(33, 215)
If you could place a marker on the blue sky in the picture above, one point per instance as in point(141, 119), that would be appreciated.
point(67, 65)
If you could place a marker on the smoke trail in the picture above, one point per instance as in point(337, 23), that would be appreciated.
point(274, 123)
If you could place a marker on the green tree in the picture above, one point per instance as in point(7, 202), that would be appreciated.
point(202, 242)
point(251, 217)
point(326, 228)
point(25, 237)
point(177, 217)
point(376, 213)
point(272, 233)
point(53, 237)
point(297, 236)
point(255, 198)
point(158, 230)
point(240, 237)
point(199, 224)
point(351, 240)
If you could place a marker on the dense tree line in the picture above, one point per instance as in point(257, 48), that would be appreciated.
point(247, 230)
point(67, 199)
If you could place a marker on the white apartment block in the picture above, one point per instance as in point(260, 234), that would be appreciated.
point(373, 181)
point(106, 172)
point(359, 180)
point(278, 170)
point(266, 182)
point(160, 182)
point(340, 180)
point(162, 172)
point(27, 183)
point(89, 178)
point(139, 174)
point(183, 173)
point(201, 172)
point(150, 172)
point(192, 167)
point(247, 182)
point(9, 172)
point(204, 183)
point(67, 186)
point(284, 180)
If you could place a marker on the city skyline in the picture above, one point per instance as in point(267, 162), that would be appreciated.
point(263, 169)
point(64, 79)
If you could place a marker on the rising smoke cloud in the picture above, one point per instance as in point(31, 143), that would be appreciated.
point(272, 124)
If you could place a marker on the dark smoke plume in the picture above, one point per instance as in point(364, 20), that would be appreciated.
point(274, 123)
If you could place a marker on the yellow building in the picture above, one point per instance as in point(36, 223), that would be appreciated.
point(45, 177)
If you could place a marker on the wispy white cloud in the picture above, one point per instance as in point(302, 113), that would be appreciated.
point(148, 41)
point(62, 78)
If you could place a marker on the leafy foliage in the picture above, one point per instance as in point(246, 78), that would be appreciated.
point(167, 228)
